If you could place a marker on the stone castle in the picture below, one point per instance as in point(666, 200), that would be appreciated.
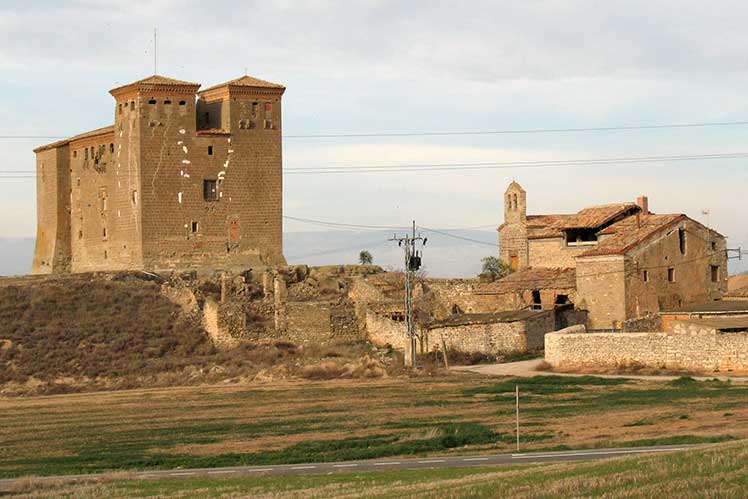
point(182, 179)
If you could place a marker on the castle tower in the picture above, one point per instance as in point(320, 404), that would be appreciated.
point(176, 182)
point(513, 244)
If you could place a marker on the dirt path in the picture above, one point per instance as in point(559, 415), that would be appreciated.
point(529, 368)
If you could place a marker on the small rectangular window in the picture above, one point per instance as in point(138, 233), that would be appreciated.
point(682, 241)
point(715, 273)
point(268, 124)
point(152, 102)
point(103, 233)
point(111, 148)
point(195, 227)
point(714, 245)
point(671, 274)
point(135, 197)
point(120, 108)
point(210, 150)
point(182, 103)
point(75, 154)
point(210, 190)
point(254, 109)
point(645, 276)
point(167, 102)
point(86, 151)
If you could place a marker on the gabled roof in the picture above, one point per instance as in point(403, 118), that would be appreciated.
point(246, 81)
point(93, 133)
point(592, 217)
point(631, 232)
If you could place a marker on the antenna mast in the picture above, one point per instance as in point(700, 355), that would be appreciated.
point(155, 46)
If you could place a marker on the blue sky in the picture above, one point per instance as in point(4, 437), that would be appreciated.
point(379, 66)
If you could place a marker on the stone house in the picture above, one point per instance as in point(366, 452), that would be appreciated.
point(627, 262)
point(182, 179)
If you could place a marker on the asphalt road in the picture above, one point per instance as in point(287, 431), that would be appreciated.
point(384, 464)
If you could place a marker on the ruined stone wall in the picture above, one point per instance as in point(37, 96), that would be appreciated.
point(692, 271)
point(493, 339)
point(601, 291)
point(52, 251)
point(316, 322)
point(224, 324)
point(464, 293)
point(383, 332)
point(554, 253)
point(690, 347)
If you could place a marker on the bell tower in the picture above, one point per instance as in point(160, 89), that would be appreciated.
point(513, 244)
point(515, 204)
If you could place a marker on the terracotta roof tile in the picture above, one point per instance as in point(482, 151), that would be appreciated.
point(85, 135)
point(157, 80)
point(533, 278)
point(544, 226)
point(630, 232)
point(246, 81)
point(596, 216)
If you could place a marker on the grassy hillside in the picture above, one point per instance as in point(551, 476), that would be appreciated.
point(101, 331)
point(717, 472)
point(86, 326)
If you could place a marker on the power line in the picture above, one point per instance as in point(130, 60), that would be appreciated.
point(613, 161)
point(344, 225)
point(466, 132)
point(519, 131)
point(324, 223)
point(458, 237)
point(498, 165)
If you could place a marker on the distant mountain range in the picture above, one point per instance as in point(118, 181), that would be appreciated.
point(455, 255)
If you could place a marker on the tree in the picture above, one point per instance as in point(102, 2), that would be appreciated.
point(493, 268)
point(365, 258)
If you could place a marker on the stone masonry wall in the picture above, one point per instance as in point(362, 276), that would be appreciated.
point(52, 252)
point(692, 271)
point(492, 339)
point(690, 347)
point(553, 252)
point(601, 291)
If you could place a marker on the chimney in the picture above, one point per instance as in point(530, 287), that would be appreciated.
point(643, 202)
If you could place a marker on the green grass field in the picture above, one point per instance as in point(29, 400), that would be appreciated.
point(295, 422)
point(716, 472)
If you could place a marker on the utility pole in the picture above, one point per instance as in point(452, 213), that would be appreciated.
point(412, 264)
